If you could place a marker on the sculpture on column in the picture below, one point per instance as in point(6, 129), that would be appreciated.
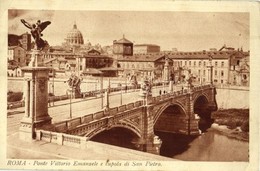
point(36, 31)
point(74, 83)
point(40, 44)
point(146, 87)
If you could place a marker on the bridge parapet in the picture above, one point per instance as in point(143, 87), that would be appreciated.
point(62, 139)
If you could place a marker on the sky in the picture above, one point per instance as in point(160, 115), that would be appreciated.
point(186, 31)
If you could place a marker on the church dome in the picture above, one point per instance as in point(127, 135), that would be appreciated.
point(74, 37)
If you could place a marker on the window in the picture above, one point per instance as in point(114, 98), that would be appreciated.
point(204, 63)
point(216, 72)
point(221, 81)
point(204, 72)
point(189, 63)
point(185, 63)
point(222, 64)
point(222, 73)
point(199, 63)
point(216, 63)
point(181, 63)
point(199, 72)
point(194, 63)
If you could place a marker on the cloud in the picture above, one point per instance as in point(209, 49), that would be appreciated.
point(13, 13)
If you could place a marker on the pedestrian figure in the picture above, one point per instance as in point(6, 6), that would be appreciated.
point(182, 88)
point(160, 92)
point(164, 92)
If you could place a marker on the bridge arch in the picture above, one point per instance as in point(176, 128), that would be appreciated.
point(162, 109)
point(170, 118)
point(124, 125)
point(200, 105)
point(201, 108)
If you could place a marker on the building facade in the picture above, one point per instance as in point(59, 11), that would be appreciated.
point(225, 64)
point(17, 54)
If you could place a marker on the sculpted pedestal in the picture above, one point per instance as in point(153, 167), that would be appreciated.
point(36, 101)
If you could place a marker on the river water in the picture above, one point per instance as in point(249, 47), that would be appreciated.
point(210, 146)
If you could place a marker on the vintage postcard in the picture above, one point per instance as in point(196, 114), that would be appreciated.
point(129, 85)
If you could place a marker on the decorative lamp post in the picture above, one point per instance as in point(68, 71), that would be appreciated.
point(53, 74)
point(70, 91)
point(121, 94)
point(210, 69)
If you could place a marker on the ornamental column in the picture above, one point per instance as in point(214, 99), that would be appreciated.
point(36, 98)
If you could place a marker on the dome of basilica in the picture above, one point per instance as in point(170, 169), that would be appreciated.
point(74, 36)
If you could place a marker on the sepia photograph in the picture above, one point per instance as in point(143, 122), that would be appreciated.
point(123, 89)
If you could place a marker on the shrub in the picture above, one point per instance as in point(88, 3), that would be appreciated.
point(245, 126)
point(14, 97)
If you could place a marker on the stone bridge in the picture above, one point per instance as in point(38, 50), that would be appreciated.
point(176, 112)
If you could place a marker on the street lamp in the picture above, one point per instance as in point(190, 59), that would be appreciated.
point(211, 69)
point(101, 91)
point(70, 91)
point(121, 94)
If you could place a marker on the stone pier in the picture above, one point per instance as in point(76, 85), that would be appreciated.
point(36, 99)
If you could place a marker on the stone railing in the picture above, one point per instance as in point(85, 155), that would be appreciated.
point(73, 123)
point(178, 93)
point(62, 139)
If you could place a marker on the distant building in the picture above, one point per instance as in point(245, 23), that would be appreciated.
point(94, 59)
point(141, 65)
point(146, 48)
point(226, 63)
point(123, 47)
point(17, 54)
point(26, 41)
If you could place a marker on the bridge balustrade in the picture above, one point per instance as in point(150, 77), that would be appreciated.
point(62, 139)
point(130, 106)
point(122, 108)
point(113, 111)
point(98, 115)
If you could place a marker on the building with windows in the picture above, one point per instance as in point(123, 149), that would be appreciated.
point(17, 54)
point(94, 59)
point(141, 65)
point(225, 63)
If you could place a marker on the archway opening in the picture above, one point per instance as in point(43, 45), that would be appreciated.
point(117, 136)
point(171, 127)
point(202, 110)
point(171, 120)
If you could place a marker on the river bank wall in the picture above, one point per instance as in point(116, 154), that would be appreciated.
point(233, 97)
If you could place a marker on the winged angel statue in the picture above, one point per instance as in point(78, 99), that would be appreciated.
point(36, 31)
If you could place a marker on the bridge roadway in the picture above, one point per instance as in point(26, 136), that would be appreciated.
point(80, 107)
